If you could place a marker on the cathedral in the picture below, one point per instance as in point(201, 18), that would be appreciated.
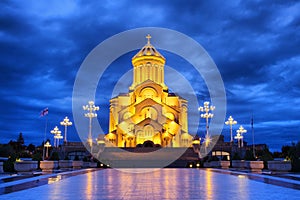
point(148, 112)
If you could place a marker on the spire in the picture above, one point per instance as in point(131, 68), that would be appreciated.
point(148, 64)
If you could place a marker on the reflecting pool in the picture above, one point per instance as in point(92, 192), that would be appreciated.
point(160, 184)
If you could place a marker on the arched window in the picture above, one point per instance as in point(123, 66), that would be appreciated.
point(140, 134)
point(149, 131)
point(148, 92)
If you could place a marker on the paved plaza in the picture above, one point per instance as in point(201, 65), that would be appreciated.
point(159, 184)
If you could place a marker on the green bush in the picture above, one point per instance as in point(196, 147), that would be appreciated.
point(37, 157)
point(8, 165)
point(296, 165)
point(249, 155)
point(236, 156)
point(266, 156)
point(54, 156)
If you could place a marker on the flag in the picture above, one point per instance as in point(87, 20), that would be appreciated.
point(44, 112)
point(252, 121)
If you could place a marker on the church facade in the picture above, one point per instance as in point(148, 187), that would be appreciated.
point(148, 112)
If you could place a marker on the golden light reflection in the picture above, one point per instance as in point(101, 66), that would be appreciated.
point(89, 186)
point(166, 191)
point(209, 184)
point(242, 186)
point(54, 179)
point(241, 176)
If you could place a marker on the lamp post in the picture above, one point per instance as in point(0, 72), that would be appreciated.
point(206, 108)
point(206, 141)
point(66, 122)
point(58, 137)
point(55, 131)
point(47, 145)
point(91, 108)
point(241, 131)
point(231, 122)
point(238, 137)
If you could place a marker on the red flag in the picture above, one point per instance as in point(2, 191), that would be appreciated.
point(44, 112)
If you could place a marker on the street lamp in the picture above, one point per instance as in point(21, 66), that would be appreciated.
point(91, 108)
point(238, 137)
point(66, 122)
point(47, 145)
point(55, 131)
point(58, 137)
point(241, 131)
point(206, 141)
point(206, 108)
point(230, 122)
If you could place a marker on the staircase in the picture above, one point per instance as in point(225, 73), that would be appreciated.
point(147, 157)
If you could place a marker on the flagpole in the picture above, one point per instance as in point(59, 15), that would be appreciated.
point(46, 123)
point(252, 129)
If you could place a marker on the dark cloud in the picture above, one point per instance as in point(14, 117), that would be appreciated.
point(255, 45)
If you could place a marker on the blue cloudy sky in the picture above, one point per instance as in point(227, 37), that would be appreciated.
point(255, 45)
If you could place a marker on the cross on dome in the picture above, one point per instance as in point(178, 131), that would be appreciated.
point(148, 38)
point(146, 53)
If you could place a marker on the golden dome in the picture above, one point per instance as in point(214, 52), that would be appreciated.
point(147, 54)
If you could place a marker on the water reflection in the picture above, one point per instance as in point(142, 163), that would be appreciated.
point(208, 177)
point(242, 186)
point(89, 186)
point(160, 184)
point(54, 179)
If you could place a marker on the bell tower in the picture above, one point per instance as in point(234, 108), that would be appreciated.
point(148, 64)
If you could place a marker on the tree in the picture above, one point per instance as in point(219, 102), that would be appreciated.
point(285, 151)
point(6, 150)
point(293, 155)
point(54, 156)
point(265, 155)
point(249, 155)
point(236, 156)
point(31, 148)
point(20, 139)
point(37, 157)
point(8, 165)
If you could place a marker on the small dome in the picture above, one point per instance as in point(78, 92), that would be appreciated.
point(148, 52)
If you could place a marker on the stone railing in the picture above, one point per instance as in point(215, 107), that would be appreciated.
point(48, 165)
point(77, 164)
point(65, 164)
point(217, 164)
point(240, 164)
point(255, 166)
point(280, 166)
point(25, 166)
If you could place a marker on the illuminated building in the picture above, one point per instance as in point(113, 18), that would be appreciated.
point(148, 112)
